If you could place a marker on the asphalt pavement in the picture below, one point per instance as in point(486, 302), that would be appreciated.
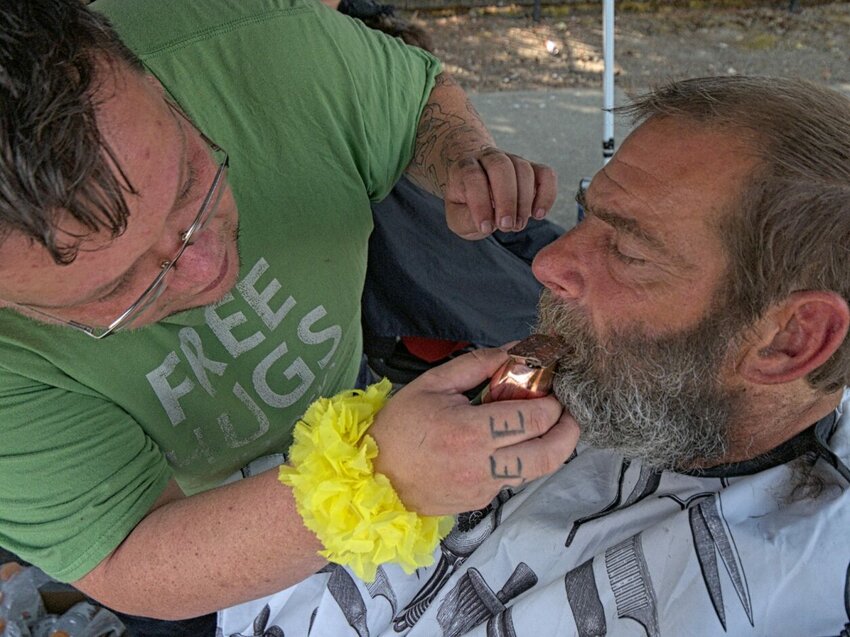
point(561, 128)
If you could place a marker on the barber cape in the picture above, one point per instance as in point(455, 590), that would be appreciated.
point(606, 547)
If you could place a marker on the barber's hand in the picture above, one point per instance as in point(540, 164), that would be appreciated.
point(494, 190)
point(445, 456)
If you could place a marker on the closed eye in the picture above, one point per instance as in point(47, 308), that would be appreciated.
point(189, 186)
point(120, 287)
point(614, 250)
point(611, 244)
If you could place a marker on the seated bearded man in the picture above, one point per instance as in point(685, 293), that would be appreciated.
point(703, 303)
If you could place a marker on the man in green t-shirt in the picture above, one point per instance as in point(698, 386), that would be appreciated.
point(127, 167)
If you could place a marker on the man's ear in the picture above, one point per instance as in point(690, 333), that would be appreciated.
point(795, 337)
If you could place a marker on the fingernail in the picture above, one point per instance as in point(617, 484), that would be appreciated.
point(539, 213)
point(486, 227)
point(506, 223)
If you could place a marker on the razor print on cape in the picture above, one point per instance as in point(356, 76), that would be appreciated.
point(712, 538)
point(344, 590)
point(647, 484)
point(627, 569)
point(845, 632)
point(469, 533)
point(631, 583)
point(472, 601)
point(261, 627)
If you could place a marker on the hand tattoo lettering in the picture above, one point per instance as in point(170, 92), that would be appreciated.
point(507, 429)
point(506, 473)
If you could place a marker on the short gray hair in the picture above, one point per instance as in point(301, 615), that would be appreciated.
point(790, 229)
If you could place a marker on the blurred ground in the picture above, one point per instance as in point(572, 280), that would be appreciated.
point(538, 85)
point(504, 50)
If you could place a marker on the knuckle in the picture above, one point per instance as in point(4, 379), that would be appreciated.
point(534, 466)
point(524, 166)
point(546, 172)
point(461, 440)
point(545, 465)
point(539, 421)
point(498, 159)
point(491, 152)
point(550, 179)
point(470, 170)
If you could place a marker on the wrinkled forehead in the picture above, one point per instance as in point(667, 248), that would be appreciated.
point(681, 164)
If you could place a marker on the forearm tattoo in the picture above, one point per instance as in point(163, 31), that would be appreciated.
point(443, 138)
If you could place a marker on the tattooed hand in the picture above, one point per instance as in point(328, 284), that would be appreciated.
point(484, 188)
point(446, 456)
point(494, 190)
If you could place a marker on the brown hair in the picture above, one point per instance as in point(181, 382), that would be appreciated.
point(54, 163)
point(790, 229)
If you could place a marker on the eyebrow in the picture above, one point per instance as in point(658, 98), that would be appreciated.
point(625, 224)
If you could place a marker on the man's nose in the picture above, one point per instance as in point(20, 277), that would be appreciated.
point(200, 262)
point(557, 266)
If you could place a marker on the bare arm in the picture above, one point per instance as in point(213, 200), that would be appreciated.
point(198, 554)
point(450, 129)
point(484, 188)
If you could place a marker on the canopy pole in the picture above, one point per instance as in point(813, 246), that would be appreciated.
point(608, 79)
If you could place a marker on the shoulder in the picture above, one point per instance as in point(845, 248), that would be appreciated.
point(156, 26)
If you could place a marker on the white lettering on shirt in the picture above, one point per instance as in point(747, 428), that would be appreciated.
point(297, 368)
point(279, 380)
point(170, 395)
point(201, 451)
point(223, 329)
point(314, 338)
point(227, 426)
point(259, 301)
point(193, 349)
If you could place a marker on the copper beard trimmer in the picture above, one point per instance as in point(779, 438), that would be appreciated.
point(528, 373)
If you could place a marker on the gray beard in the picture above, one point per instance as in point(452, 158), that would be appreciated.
point(657, 399)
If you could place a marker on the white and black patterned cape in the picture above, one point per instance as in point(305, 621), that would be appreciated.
point(604, 547)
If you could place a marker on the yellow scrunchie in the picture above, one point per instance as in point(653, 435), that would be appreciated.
point(355, 512)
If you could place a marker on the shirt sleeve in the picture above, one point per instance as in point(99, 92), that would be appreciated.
point(392, 83)
point(72, 488)
point(302, 76)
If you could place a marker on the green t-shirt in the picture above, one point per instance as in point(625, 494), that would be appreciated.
point(318, 114)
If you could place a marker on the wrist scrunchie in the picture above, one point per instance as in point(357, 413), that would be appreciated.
point(355, 512)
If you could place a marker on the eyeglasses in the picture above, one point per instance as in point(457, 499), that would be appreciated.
point(208, 209)
point(580, 199)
